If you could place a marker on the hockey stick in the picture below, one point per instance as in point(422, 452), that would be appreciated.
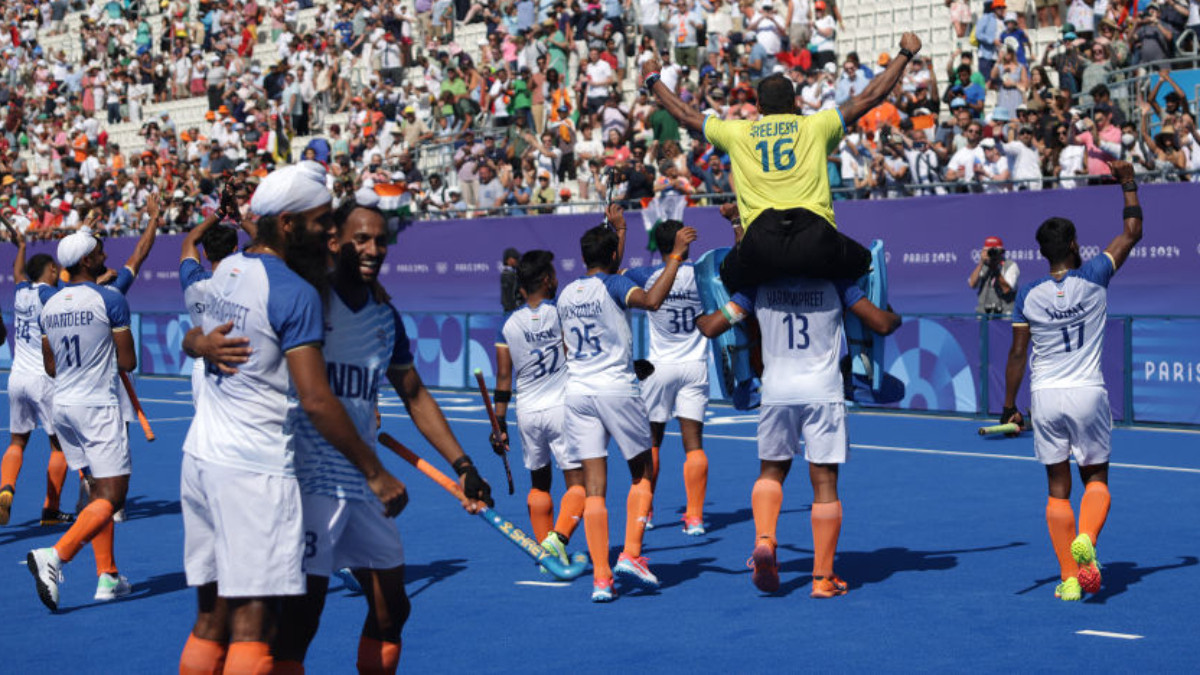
point(137, 407)
point(487, 403)
point(553, 565)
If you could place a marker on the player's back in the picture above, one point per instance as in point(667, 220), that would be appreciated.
point(78, 322)
point(598, 339)
point(1066, 319)
point(240, 418)
point(27, 337)
point(360, 346)
point(534, 338)
point(673, 334)
point(194, 279)
point(801, 325)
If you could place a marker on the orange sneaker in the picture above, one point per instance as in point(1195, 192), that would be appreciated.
point(766, 571)
point(828, 587)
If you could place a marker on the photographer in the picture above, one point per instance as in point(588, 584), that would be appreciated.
point(994, 279)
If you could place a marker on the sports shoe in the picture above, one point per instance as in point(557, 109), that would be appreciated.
point(56, 517)
point(112, 586)
point(1084, 553)
point(1069, 590)
point(828, 587)
point(46, 569)
point(765, 573)
point(693, 527)
point(119, 515)
point(6, 499)
point(554, 545)
point(602, 590)
point(348, 580)
point(637, 569)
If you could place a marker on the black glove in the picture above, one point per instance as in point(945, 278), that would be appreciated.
point(643, 369)
point(499, 440)
point(474, 486)
point(1014, 416)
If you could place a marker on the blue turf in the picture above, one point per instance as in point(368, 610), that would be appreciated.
point(947, 558)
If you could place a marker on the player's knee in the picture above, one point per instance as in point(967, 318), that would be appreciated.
point(542, 478)
point(386, 621)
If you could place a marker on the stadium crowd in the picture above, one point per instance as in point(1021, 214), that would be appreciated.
point(548, 117)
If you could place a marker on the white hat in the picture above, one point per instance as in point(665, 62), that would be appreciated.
point(1010, 16)
point(73, 247)
point(831, 67)
point(292, 189)
point(988, 143)
point(1011, 43)
point(178, 194)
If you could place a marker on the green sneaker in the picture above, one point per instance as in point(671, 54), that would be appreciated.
point(555, 546)
point(1069, 590)
point(1084, 553)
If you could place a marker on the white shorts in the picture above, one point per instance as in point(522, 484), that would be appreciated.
point(93, 436)
point(592, 420)
point(1075, 422)
point(677, 390)
point(350, 533)
point(821, 425)
point(30, 402)
point(241, 529)
point(543, 437)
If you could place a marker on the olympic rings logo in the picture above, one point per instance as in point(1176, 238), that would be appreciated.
point(1089, 252)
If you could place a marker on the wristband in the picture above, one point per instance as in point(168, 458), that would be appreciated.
point(1129, 187)
point(677, 258)
point(462, 464)
point(649, 81)
point(906, 52)
point(733, 313)
point(502, 395)
point(1131, 212)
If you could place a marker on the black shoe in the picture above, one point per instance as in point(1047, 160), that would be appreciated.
point(56, 517)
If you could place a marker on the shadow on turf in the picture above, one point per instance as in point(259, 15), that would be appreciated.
point(161, 584)
point(861, 568)
point(136, 508)
point(1117, 578)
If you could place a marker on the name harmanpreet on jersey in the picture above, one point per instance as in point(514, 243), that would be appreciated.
point(595, 325)
point(27, 335)
point(534, 339)
point(360, 346)
point(1066, 320)
point(673, 334)
point(801, 324)
point(241, 419)
point(779, 160)
point(79, 321)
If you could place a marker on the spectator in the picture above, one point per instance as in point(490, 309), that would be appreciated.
point(1065, 58)
point(994, 280)
point(987, 33)
point(851, 83)
point(1096, 134)
point(993, 172)
point(1012, 77)
point(962, 164)
point(960, 18)
point(824, 38)
point(1023, 159)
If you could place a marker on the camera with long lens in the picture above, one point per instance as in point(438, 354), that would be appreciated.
point(995, 255)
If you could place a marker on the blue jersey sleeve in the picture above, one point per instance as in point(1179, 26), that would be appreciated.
point(191, 271)
point(745, 299)
point(116, 307)
point(640, 275)
point(124, 280)
point(500, 339)
point(619, 287)
point(402, 350)
point(1098, 270)
point(1018, 313)
point(293, 307)
point(22, 286)
point(46, 291)
point(850, 293)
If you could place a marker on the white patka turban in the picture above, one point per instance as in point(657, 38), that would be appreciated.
point(73, 247)
point(292, 189)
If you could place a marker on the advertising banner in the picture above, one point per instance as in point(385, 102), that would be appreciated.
point(1166, 370)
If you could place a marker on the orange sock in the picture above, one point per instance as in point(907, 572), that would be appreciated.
point(541, 512)
point(765, 501)
point(1093, 510)
point(376, 657)
point(202, 657)
point(1061, 521)
point(637, 505)
point(595, 527)
point(102, 548)
point(87, 525)
point(249, 658)
point(10, 466)
point(826, 526)
point(288, 668)
point(56, 475)
point(570, 510)
point(695, 482)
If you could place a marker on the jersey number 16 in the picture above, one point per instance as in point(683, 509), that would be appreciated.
point(781, 152)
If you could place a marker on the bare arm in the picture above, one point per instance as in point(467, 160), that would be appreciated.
point(188, 248)
point(19, 260)
point(48, 357)
point(145, 242)
point(504, 366)
point(685, 114)
point(1120, 247)
point(1014, 372)
point(652, 299)
point(126, 353)
point(882, 85)
point(881, 321)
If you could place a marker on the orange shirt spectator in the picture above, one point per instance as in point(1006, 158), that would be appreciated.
point(884, 113)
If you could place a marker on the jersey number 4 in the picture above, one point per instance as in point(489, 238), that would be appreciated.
point(782, 154)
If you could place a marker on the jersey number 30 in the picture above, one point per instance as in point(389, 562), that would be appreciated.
point(782, 154)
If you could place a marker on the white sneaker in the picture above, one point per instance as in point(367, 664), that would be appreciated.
point(112, 586)
point(119, 516)
point(46, 569)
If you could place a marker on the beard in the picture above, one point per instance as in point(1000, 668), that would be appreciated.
point(305, 254)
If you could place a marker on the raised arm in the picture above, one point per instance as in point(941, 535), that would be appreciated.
point(882, 85)
point(19, 261)
point(684, 113)
point(1120, 247)
point(145, 242)
point(652, 299)
point(188, 248)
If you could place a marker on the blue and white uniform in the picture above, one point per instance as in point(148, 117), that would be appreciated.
point(603, 397)
point(344, 522)
point(122, 283)
point(1066, 318)
point(193, 278)
point(678, 387)
point(79, 322)
point(802, 389)
point(534, 339)
point(243, 526)
point(30, 389)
